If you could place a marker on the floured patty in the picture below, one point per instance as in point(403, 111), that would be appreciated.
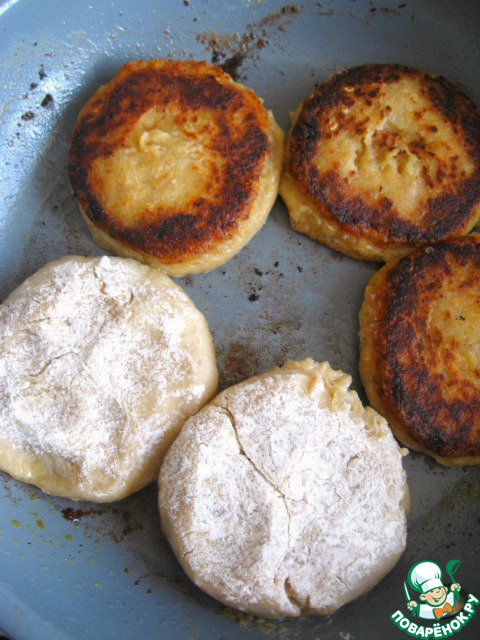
point(101, 362)
point(420, 349)
point(284, 496)
point(175, 164)
point(382, 159)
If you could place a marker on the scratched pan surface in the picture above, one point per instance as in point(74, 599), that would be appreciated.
point(71, 571)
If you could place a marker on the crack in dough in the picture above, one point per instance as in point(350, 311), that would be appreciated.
point(277, 490)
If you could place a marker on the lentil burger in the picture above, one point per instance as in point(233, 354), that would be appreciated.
point(420, 351)
point(175, 164)
point(383, 159)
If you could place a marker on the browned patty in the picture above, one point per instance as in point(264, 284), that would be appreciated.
point(382, 159)
point(219, 130)
point(420, 349)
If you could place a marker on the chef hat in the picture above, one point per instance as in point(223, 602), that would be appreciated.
point(425, 576)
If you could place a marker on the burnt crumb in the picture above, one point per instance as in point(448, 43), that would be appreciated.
point(74, 515)
point(33, 85)
point(289, 9)
point(137, 582)
point(28, 115)
point(186, 3)
point(385, 10)
point(233, 64)
point(276, 264)
point(47, 100)
point(230, 52)
point(41, 72)
point(253, 297)
point(129, 526)
point(258, 272)
point(300, 269)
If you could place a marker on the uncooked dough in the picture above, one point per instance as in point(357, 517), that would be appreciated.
point(101, 362)
point(284, 495)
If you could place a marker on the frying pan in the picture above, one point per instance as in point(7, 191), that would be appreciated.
point(80, 571)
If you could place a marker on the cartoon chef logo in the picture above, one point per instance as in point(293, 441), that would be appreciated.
point(446, 608)
point(432, 600)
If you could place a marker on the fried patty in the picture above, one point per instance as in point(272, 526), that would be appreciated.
point(420, 349)
point(383, 159)
point(175, 164)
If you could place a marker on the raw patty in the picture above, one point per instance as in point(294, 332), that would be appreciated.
point(285, 496)
point(101, 362)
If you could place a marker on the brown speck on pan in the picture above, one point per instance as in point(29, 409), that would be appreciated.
point(129, 524)
point(28, 115)
point(75, 515)
point(47, 100)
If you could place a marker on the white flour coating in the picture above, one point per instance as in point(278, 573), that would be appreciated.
point(101, 361)
point(284, 496)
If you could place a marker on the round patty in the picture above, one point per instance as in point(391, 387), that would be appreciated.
point(284, 496)
point(175, 164)
point(420, 349)
point(382, 159)
point(101, 362)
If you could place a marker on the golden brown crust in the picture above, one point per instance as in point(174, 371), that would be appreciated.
point(383, 159)
point(419, 349)
point(210, 135)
